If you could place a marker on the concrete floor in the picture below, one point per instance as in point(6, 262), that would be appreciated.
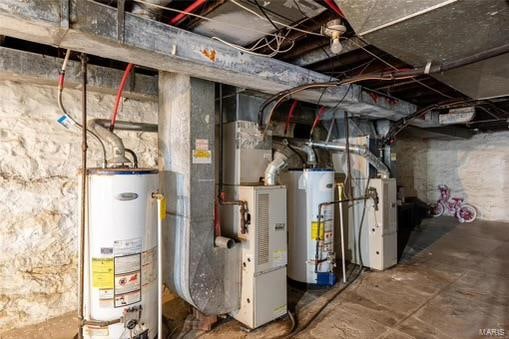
point(453, 280)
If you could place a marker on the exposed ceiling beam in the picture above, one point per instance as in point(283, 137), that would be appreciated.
point(35, 68)
point(94, 29)
point(321, 54)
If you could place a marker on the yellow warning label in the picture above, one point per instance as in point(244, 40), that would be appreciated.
point(201, 156)
point(163, 209)
point(102, 273)
point(314, 230)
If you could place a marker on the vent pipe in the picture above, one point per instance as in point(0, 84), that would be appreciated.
point(362, 151)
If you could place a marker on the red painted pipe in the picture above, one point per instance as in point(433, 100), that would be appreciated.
point(318, 117)
point(335, 7)
point(123, 82)
point(290, 115)
point(175, 21)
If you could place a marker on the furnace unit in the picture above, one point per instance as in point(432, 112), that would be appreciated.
point(264, 256)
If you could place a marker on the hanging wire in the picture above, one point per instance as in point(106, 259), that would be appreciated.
point(275, 21)
point(395, 68)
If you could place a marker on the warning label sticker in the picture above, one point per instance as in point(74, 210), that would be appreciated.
point(202, 156)
point(128, 246)
point(201, 144)
point(102, 273)
point(149, 266)
point(127, 281)
point(106, 298)
point(315, 228)
point(127, 298)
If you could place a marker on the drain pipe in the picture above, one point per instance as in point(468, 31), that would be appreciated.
point(363, 151)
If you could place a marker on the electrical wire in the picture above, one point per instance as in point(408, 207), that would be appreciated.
point(333, 108)
point(201, 17)
point(277, 50)
point(274, 21)
point(260, 7)
point(395, 68)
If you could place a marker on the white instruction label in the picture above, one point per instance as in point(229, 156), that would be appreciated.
point(279, 258)
point(127, 246)
point(127, 298)
point(149, 266)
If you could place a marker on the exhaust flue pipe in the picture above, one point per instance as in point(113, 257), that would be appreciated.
point(275, 167)
point(363, 151)
point(117, 156)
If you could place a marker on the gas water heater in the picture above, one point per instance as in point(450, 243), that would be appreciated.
point(120, 287)
point(311, 255)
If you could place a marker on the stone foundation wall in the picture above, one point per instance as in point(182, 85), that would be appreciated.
point(39, 205)
point(476, 169)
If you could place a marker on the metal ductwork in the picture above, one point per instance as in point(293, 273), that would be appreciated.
point(203, 274)
point(274, 168)
point(437, 32)
point(117, 150)
point(149, 11)
point(363, 151)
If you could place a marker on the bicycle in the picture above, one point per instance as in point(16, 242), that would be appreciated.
point(454, 206)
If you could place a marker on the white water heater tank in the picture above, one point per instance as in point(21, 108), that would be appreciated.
point(121, 253)
point(307, 189)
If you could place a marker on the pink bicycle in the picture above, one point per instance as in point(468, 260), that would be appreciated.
point(453, 206)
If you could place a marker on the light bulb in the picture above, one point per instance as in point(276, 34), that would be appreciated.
point(336, 46)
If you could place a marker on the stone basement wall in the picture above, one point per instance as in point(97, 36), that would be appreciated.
point(476, 169)
point(39, 205)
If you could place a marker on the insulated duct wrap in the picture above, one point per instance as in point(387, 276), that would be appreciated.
point(204, 275)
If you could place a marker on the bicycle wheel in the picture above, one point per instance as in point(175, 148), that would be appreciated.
point(437, 210)
point(466, 213)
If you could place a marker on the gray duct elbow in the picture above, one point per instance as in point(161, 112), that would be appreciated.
point(310, 153)
point(116, 146)
point(275, 167)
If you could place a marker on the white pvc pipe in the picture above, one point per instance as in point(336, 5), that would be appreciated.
point(341, 225)
point(159, 271)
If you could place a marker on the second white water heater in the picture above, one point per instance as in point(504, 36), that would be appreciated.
point(310, 242)
point(120, 287)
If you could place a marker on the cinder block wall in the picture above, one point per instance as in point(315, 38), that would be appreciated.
point(476, 169)
point(39, 205)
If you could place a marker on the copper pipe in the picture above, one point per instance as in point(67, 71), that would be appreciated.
point(84, 148)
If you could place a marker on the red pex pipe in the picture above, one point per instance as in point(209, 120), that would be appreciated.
point(123, 82)
point(335, 7)
point(318, 117)
point(175, 21)
point(290, 115)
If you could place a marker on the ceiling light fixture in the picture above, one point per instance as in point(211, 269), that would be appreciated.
point(334, 29)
